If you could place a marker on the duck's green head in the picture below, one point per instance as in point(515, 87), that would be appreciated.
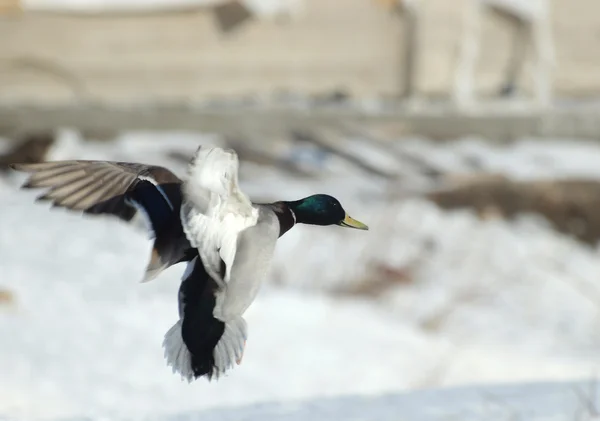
point(322, 209)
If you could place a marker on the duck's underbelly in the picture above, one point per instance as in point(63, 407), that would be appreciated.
point(235, 298)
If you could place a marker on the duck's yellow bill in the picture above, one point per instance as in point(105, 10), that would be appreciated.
point(353, 223)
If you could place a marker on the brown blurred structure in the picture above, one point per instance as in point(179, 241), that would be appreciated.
point(31, 148)
point(570, 205)
point(182, 56)
point(10, 6)
point(7, 298)
point(183, 69)
point(354, 45)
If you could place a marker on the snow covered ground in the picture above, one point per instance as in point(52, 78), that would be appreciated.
point(532, 402)
point(488, 302)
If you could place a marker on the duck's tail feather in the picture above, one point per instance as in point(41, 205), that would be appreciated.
point(208, 351)
point(177, 354)
point(230, 348)
point(200, 344)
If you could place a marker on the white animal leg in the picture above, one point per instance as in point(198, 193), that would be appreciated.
point(521, 38)
point(543, 46)
point(468, 54)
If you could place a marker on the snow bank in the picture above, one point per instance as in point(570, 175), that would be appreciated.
point(488, 301)
point(531, 402)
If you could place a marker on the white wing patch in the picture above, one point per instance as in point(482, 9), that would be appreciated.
point(215, 211)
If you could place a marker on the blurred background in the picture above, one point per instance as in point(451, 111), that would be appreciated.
point(463, 132)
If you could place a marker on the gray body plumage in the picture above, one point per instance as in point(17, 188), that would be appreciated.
point(254, 252)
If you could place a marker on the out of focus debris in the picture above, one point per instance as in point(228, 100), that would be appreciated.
point(248, 151)
point(379, 279)
point(32, 148)
point(253, 152)
point(7, 298)
point(406, 160)
point(434, 322)
point(230, 15)
point(570, 205)
point(327, 142)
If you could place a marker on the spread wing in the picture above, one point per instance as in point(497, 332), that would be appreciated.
point(103, 187)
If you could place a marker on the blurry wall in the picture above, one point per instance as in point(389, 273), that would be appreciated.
point(186, 55)
point(576, 33)
point(348, 44)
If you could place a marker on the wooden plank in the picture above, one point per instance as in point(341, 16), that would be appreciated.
point(186, 56)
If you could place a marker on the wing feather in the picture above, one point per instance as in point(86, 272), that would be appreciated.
point(69, 188)
point(95, 187)
point(53, 177)
point(107, 189)
point(78, 198)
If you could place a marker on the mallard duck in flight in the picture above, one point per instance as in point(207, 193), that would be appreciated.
point(207, 221)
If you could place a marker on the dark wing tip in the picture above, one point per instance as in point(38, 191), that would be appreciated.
point(26, 166)
point(28, 185)
point(43, 197)
point(22, 167)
